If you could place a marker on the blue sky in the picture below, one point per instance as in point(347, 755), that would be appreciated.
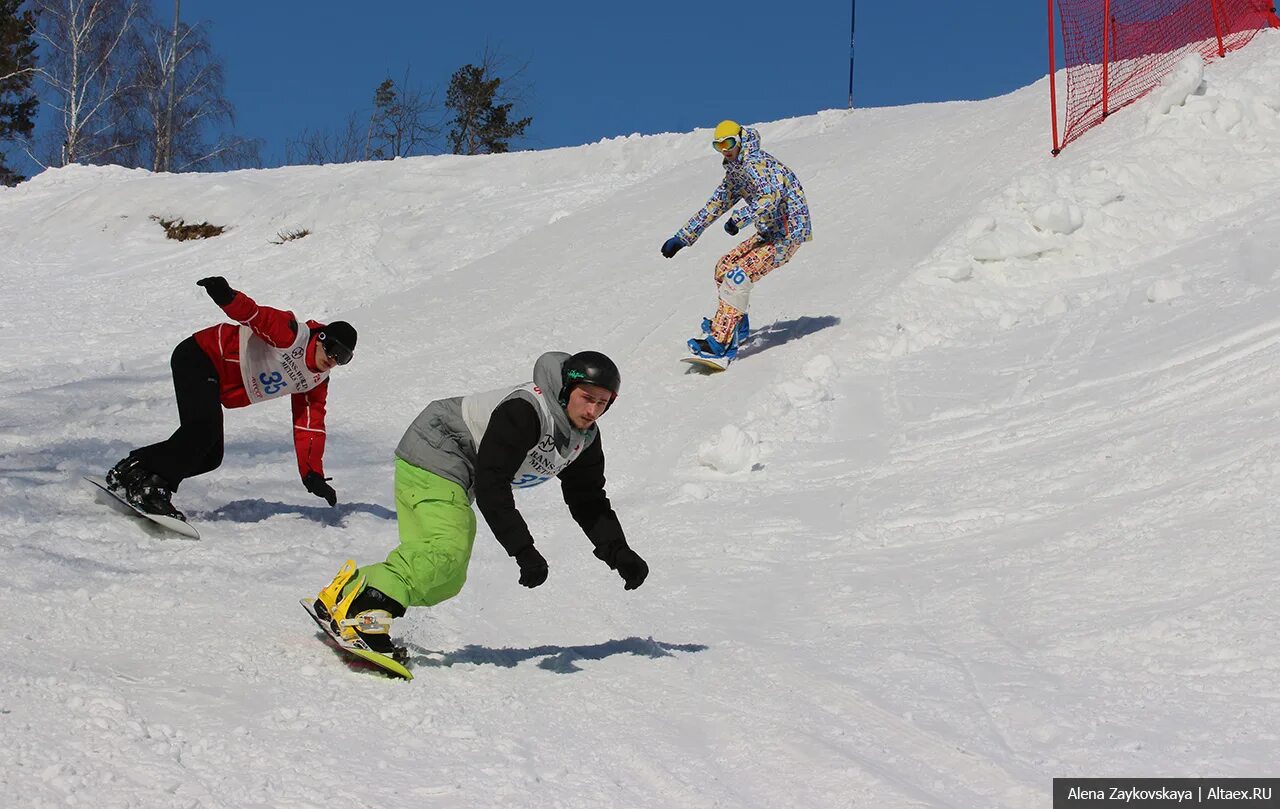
point(602, 69)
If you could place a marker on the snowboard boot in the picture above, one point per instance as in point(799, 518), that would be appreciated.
point(122, 474)
point(328, 598)
point(740, 335)
point(365, 615)
point(151, 494)
point(709, 348)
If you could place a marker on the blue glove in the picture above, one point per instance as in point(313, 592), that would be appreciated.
point(672, 246)
point(730, 227)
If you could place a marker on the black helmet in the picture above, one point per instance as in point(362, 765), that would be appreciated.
point(591, 368)
point(339, 340)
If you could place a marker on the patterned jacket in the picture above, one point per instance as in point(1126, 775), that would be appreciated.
point(775, 200)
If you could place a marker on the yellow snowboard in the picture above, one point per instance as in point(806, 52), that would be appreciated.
point(388, 664)
point(706, 363)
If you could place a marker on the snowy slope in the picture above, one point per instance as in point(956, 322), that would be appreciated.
point(988, 501)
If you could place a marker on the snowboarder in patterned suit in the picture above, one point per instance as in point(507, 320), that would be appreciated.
point(775, 205)
point(479, 448)
point(266, 354)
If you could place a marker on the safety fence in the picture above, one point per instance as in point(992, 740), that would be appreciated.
point(1116, 51)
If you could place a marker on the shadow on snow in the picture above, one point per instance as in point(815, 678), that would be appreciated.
point(259, 510)
point(559, 659)
point(784, 331)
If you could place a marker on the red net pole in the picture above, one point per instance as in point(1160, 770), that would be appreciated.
point(1053, 85)
point(1217, 25)
point(1106, 57)
point(1113, 52)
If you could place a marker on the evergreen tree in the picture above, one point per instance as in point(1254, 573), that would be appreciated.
point(17, 68)
point(384, 98)
point(480, 121)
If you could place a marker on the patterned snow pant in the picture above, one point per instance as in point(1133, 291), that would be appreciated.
point(736, 272)
point(437, 530)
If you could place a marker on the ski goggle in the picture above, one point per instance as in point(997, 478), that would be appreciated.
point(726, 144)
point(337, 352)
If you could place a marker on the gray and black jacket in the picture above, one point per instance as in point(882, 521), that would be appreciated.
point(516, 437)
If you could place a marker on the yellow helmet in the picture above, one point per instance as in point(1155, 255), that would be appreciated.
point(726, 128)
point(727, 136)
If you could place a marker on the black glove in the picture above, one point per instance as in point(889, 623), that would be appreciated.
point(533, 568)
point(730, 227)
point(672, 246)
point(220, 291)
point(627, 562)
point(631, 568)
point(315, 483)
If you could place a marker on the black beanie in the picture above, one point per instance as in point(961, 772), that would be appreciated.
point(341, 331)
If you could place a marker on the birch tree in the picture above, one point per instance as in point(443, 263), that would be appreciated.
point(86, 71)
point(178, 113)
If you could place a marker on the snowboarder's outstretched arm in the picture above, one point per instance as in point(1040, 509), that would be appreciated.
point(721, 201)
point(513, 430)
point(309, 436)
point(277, 327)
point(582, 484)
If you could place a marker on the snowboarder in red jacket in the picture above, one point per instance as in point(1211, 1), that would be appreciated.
point(266, 354)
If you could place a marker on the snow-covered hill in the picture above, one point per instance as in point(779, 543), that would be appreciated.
point(988, 500)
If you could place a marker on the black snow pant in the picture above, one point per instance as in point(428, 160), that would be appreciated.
point(196, 446)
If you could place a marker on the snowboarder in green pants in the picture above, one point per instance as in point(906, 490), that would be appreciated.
point(479, 448)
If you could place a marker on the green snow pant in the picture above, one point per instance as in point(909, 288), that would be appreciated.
point(437, 530)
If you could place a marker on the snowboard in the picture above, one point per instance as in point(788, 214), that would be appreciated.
point(708, 364)
point(387, 664)
point(179, 527)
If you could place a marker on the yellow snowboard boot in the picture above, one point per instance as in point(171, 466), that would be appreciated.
point(327, 600)
point(363, 616)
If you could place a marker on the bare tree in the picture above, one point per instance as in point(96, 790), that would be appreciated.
point(176, 101)
point(86, 69)
point(400, 125)
point(480, 106)
point(317, 147)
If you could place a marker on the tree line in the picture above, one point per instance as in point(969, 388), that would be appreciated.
point(121, 87)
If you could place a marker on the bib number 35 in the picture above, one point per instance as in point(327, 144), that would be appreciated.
point(271, 383)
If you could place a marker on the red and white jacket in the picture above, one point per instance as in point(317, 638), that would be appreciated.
point(280, 330)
